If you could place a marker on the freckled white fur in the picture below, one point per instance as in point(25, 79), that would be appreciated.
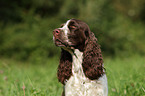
point(79, 84)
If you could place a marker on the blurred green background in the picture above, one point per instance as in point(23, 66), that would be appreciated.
point(29, 59)
point(26, 26)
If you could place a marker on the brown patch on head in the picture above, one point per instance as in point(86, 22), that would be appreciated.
point(78, 33)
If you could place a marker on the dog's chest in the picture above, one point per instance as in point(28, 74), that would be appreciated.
point(79, 84)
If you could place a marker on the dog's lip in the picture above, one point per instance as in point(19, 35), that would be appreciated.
point(59, 43)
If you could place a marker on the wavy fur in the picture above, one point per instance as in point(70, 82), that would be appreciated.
point(65, 66)
point(93, 61)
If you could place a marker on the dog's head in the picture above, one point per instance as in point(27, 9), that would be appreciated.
point(71, 34)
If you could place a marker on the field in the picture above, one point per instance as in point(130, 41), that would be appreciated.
point(126, 77)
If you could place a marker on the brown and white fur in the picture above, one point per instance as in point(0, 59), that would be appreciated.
point(81, 68)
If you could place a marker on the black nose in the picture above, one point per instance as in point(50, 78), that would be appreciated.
point(56, 32)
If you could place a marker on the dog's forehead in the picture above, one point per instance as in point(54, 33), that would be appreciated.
point(68, 22)
point(65, 25)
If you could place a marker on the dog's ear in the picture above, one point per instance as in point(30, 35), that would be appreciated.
point(93, 61)
point(65, 66)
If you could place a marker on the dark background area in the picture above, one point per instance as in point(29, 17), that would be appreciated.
point(26, 26)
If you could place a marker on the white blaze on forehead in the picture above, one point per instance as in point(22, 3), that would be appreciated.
point(65, 28)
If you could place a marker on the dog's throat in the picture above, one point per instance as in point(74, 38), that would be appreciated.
point(77, 69)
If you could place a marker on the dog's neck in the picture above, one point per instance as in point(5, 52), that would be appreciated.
point(77, 57)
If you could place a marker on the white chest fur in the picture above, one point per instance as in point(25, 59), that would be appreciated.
point(80, 85)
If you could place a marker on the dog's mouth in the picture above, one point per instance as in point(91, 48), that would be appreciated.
point(67, 45)
point(60, 43)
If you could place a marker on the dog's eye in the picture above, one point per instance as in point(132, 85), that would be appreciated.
point(72, 27)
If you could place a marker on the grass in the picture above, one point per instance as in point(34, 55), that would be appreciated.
point(126, 77)
point(24, 79)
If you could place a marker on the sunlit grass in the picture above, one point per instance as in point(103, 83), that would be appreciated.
point(126, 77)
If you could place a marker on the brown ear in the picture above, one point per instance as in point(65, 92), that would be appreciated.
point(93, 61)
point(65, 67)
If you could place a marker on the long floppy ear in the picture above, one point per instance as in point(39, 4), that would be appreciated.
point(93, 61)
point(65, 66)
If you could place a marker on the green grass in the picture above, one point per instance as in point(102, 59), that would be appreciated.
point(126, 77)
point(38, 79)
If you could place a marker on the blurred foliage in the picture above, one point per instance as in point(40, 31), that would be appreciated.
point(26, 26)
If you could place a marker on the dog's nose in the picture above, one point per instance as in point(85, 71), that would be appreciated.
point(56, 32)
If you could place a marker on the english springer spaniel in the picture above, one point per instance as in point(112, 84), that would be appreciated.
point(81, 68)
